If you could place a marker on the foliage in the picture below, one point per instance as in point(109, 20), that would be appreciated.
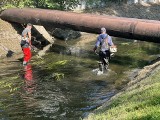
point(49, 4)
point(58, 76)
point(102, 3)
point(65, 4)
point(57, 64)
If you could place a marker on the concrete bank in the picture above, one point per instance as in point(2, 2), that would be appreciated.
point(9, 39)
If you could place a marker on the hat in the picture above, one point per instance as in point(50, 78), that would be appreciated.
point(103, 29)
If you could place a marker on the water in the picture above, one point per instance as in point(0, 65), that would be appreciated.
point(63, 86)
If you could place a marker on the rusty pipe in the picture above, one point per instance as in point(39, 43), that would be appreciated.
point(139, 29)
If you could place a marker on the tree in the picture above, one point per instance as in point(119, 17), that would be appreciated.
point(49, 4)
point(65, 4)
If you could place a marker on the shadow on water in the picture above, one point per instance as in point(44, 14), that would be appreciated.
point(129, 61)
point(151, 49)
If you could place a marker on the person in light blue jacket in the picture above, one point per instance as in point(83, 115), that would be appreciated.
point(104, 41)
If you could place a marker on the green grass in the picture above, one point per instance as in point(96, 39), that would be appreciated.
point(139, 102)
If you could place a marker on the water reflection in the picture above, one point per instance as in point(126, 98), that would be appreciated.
point(29, 86)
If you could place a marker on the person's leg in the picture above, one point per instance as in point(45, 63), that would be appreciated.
point(101, 63)
point(108, 54)
point(27, 55)
point(106, 59)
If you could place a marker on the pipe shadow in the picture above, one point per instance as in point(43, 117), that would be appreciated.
point(151, 50)
point(128, 61)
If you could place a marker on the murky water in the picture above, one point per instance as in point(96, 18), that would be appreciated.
point(62, 85)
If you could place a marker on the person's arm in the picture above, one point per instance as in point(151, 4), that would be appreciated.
point(29, 35)
point(110, 42)
point(97, 44)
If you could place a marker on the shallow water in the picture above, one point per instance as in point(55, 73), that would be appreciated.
point(62, 85)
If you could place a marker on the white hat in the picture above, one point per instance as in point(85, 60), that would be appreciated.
point(103, 29)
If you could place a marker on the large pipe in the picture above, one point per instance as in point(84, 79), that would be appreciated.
point(140, 29)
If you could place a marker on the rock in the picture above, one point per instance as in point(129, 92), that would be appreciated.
point(65, 34)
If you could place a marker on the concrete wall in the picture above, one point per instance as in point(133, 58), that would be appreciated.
point(9, 39)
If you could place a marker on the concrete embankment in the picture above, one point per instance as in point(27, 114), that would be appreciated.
point(9, 39)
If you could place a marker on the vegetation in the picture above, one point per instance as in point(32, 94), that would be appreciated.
point(140, 102)
point(49, 4)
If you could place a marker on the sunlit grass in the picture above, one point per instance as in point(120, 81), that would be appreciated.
point(140, 102)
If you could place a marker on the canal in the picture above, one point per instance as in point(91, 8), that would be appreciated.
point(62, 84)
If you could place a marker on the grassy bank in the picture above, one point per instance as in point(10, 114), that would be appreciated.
point(140, 101)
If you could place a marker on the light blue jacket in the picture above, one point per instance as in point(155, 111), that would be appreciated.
point(101, 42)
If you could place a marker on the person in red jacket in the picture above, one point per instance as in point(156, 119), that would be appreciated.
point(26, 43)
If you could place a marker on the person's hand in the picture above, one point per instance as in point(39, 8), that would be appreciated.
point(94, 49)
point(32, 47)
point(114, 46)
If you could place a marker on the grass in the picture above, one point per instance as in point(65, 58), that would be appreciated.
point(139, 102)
